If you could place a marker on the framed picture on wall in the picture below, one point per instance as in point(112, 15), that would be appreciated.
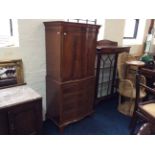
point(11, 73)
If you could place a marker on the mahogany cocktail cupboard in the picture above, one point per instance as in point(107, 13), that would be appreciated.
point(70, 80)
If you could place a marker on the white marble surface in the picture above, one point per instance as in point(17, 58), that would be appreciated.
point(17, 95)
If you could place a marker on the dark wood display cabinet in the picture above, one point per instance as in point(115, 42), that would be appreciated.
point(106, 69)
point(20, 111)
point(70, 80)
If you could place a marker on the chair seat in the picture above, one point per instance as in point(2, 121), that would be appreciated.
point(127, 93)
point(149, 108)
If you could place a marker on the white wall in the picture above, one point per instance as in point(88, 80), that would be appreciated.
point(32, 51)
point(114, 30)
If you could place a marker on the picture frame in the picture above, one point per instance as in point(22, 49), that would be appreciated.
point(11, 73)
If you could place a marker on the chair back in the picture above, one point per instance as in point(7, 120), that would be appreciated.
point(121, 67)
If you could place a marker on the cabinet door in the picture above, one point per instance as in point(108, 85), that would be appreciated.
point(90, 51)
point(53, 48)
point(25, 118)
point(78, 54)
point(4, 128)
point(73, 49)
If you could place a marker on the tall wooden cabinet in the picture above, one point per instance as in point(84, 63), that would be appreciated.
point(70, 80)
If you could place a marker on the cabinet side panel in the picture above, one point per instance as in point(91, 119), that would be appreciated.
point(53, 95)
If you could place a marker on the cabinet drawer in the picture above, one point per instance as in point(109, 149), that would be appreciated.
point(69, 106)
point(69, 88)
point(77, 100)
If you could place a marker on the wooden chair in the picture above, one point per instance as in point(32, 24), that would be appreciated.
point(144, 110)
point(144, 129)
point(126, 86)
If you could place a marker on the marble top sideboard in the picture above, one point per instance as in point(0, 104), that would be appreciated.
point(17, 95)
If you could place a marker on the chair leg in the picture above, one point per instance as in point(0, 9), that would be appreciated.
point(145, 129)
point(133, 123)
point(119, 99)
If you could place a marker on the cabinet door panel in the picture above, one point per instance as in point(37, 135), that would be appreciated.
point(90, 50)
point(25, 119)
point(71, 54)
point(78, 55)
point(53, 53)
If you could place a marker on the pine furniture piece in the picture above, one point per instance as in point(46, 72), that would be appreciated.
point(107, 52)
point(70, 80)
point(20, 111)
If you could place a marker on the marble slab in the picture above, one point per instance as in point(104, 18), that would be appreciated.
point(17, 95)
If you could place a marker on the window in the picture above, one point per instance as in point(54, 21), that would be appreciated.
point(8, 33)
point(134, 31)
point(131, 29)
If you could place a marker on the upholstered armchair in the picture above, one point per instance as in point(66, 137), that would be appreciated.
point(126, 86)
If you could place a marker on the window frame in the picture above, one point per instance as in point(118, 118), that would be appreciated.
point(11, 39)
point(139, 40)
point(11, 27)
point(136, 26)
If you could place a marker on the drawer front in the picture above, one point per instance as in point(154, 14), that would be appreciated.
point(86, 97)
point(77, 99)
point(69, 107)
point(69, 88)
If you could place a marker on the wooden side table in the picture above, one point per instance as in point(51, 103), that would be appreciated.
point(135, 63)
